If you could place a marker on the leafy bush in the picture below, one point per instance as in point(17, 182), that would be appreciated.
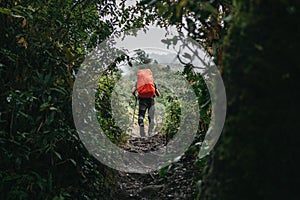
point(42, 45)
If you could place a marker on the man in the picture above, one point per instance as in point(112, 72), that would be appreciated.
point(144, 105)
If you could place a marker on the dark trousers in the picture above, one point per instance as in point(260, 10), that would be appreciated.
point(146, 104)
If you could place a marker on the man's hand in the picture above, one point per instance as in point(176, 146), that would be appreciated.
point(133, 90)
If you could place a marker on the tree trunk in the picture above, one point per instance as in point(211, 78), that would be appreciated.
point(256, 155)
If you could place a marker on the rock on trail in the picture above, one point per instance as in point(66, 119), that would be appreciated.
point(178, 181)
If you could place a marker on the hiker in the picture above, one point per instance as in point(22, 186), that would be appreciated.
point(147, 90)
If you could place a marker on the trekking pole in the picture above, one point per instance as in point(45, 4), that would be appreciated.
point(134, 109)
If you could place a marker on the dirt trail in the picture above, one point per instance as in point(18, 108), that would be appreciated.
point(177, 183)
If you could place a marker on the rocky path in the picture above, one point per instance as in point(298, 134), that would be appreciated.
point(175, 182)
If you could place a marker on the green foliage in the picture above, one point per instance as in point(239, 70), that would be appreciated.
point(42, 45)
point(172, 118)
point(164, 170)
point(199, 86)
point(205, 21)
point(140, 57)
point(106, 85)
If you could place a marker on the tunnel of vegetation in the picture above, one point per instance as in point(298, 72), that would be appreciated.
point(254, 44)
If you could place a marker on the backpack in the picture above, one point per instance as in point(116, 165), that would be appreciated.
point(145, 83)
